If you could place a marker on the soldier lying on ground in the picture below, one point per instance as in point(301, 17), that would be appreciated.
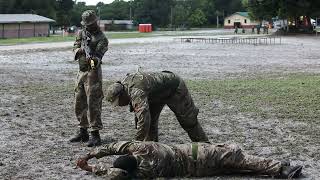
point(152, 159)
point(147, 94)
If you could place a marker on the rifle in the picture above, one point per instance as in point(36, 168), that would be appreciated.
point(86, 37)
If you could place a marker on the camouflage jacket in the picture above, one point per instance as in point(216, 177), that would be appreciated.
point(98, 44)
point(160, 160)
point(146, 89)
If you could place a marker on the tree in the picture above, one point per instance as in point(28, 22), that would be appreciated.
point(198, 18)
point(42, 7)
point(297, 11)
point(118, 9)
point(64, 9)
point(153, 11)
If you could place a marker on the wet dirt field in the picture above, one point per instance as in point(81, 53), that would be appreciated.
point(37, 118)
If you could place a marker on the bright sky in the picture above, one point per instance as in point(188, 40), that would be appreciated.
point(95, 2)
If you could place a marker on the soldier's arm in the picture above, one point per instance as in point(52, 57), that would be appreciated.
point(116, 148)
point(140, 105)
point(77, 44)
point(102, 47)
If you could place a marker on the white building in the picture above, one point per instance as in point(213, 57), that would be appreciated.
point(240, 20)
point(110, 25)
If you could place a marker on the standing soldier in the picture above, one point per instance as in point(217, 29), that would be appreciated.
point(89, 48)
point(147, 94)
point(148, 160)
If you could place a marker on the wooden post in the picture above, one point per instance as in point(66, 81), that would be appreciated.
point(34, 29)
point(19, 30)
point(3, 31)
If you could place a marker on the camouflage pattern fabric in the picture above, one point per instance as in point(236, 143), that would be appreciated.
point(160, 160)
point(149, 93)
point(88, 87)
point(98, 44)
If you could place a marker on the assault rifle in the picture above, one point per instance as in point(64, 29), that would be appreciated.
point(86, 37)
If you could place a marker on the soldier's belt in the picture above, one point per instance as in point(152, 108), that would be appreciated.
point(194, 148)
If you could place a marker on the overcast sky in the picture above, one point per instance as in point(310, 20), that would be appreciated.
point(94, 2)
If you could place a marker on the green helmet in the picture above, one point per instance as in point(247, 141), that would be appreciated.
point(113, 93)
point(88, 17)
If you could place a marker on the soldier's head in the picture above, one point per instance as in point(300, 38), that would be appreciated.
point(89, 20)
point(128, 163)
point(117, 95)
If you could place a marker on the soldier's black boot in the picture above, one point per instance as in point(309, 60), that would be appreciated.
point(289, 172)
point(82, 136)
point(95, 139)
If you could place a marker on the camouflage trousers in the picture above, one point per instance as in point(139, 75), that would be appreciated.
point(184, 109)
point(88, 99)
point(230, 159)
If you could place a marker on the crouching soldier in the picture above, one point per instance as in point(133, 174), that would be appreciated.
point(89, 48)
point(147, 94)
point(148, 160)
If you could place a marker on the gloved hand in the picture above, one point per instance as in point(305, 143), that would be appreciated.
point(94, 63)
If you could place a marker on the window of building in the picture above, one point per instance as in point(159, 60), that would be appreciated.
point(229, 21)
point(245, 20)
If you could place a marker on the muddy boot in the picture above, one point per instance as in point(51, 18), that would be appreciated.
point(289, 172)
point(83, 136)
point(197, 134)
point(95, 139)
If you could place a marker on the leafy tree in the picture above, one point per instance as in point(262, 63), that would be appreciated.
point(153, 11)
point(42, 7)
point(118, 9)
point(64, 9)
point(198, 18)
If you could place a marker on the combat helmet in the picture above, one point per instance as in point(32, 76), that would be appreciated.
point(89, 17)
point(113, 93)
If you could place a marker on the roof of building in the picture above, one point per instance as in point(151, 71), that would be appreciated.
point(21, 18)
point(244, 14)
point(116, 22)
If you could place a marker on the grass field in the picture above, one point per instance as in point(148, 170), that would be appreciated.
point(293, 97)
point(59, 38)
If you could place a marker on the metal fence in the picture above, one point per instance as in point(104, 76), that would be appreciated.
point(259, 40)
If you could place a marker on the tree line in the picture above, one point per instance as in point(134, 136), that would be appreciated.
point(165, 13)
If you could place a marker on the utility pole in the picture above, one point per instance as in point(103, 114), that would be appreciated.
point(171, 18)
point(217, 13)
point(130, 4)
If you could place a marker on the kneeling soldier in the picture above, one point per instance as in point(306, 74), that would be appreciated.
point(147, 94)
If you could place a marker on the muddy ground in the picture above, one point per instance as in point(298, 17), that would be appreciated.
point(36, 103)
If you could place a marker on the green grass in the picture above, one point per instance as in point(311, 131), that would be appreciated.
point(59, 38)
point(293, 97)
point(13, 41)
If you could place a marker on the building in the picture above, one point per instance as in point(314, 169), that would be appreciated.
point(111, 25)
point(24, 25)
point(240, 20)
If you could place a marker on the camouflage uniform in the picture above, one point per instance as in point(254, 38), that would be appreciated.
point(149, 93)
point(88, 88)
point(186, 160)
